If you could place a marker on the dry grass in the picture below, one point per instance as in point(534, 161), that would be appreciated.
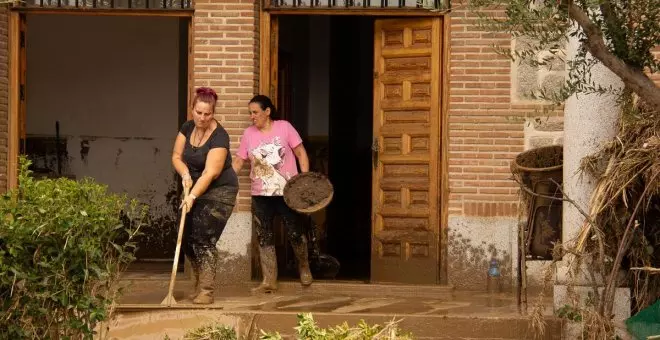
point(621, 227)
point(625, 206)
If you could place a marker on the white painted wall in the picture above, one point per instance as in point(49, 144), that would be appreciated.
point(111, 81)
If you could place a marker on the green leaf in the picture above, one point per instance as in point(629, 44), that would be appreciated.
point(118, 247)
point(53, 282)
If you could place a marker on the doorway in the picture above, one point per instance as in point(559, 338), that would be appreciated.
point(325, 90)
point(408, 148)
point(88, 112)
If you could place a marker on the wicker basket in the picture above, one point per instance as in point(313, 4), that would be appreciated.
point(313, 180)
point(541, 171)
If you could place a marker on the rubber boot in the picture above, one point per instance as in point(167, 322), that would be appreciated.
point(195, 269)
point(268, 259)
point(300, 250)
point(206, 280)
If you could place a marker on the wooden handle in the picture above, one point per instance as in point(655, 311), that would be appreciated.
point(175, 266)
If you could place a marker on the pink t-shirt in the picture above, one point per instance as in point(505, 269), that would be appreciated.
point(271, 157)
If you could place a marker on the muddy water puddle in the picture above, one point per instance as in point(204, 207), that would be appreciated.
point(238, 308)
point(240, 299)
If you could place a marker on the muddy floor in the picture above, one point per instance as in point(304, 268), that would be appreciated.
point(141, 295)
point(425, 312)
point(145, 287)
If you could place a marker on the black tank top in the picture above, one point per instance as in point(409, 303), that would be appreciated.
point(225, 187)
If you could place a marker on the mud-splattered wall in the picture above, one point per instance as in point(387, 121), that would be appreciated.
point(112, 83)
point(473, 241)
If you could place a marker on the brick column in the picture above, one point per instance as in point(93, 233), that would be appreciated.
point(226, 42)
point(226, 58)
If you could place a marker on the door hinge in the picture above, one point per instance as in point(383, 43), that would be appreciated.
point(375, 74)
point(22, 92)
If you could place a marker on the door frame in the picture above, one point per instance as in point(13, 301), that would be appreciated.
point(268, 81)
point(18, 67)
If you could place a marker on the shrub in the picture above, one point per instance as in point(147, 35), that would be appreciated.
point(210, 332)
point(63, 244)
point(307, 329)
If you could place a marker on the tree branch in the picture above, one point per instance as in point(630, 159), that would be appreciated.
point(591, 224)
point(608, 292)
point(564, 197)
point(634, 78)
point(650, 270)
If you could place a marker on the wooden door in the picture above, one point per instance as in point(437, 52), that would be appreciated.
point(22, 88)
point(405, 243)
point(16, 119)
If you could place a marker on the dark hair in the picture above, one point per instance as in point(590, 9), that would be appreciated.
point(265, 103)
point(205, 95)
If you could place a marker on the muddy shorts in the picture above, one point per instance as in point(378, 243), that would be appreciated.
point(264, 209)
point(204, 225)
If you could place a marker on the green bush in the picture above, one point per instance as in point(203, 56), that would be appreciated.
point(63, 244)
point(210, 332)
point(307, 329)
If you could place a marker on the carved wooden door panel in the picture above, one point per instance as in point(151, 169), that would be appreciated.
point(405, 209)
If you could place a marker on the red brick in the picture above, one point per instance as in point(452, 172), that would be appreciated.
point(483, 137)
point(4, 92)
point(226, 50)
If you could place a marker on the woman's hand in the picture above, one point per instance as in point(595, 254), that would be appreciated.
point(187, 203)
point(187, 181)
point(237, 164)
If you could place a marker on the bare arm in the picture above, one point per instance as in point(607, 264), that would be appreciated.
point(303, 160)
point(177, 153)
point(237, 164)
point(215, 161)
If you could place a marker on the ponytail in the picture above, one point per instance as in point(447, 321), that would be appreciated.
point(265, 103)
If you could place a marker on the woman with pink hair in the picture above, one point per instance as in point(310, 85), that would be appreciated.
point(201, 157)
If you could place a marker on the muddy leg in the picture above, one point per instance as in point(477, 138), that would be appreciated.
point(188, 252)
point(298, 241)
point(300, 249)
point(195, 268)
point(207, 272)
point(262, 215)
point(268, 260)
point(209, 220)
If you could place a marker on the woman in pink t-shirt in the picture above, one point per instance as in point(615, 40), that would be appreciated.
point(272, 146)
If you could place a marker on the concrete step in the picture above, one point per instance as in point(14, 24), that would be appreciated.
point(155, 324)
point(429, 312)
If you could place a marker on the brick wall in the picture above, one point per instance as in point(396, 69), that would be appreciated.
point(4, 95)
point(485, 121)
point(226, 41)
